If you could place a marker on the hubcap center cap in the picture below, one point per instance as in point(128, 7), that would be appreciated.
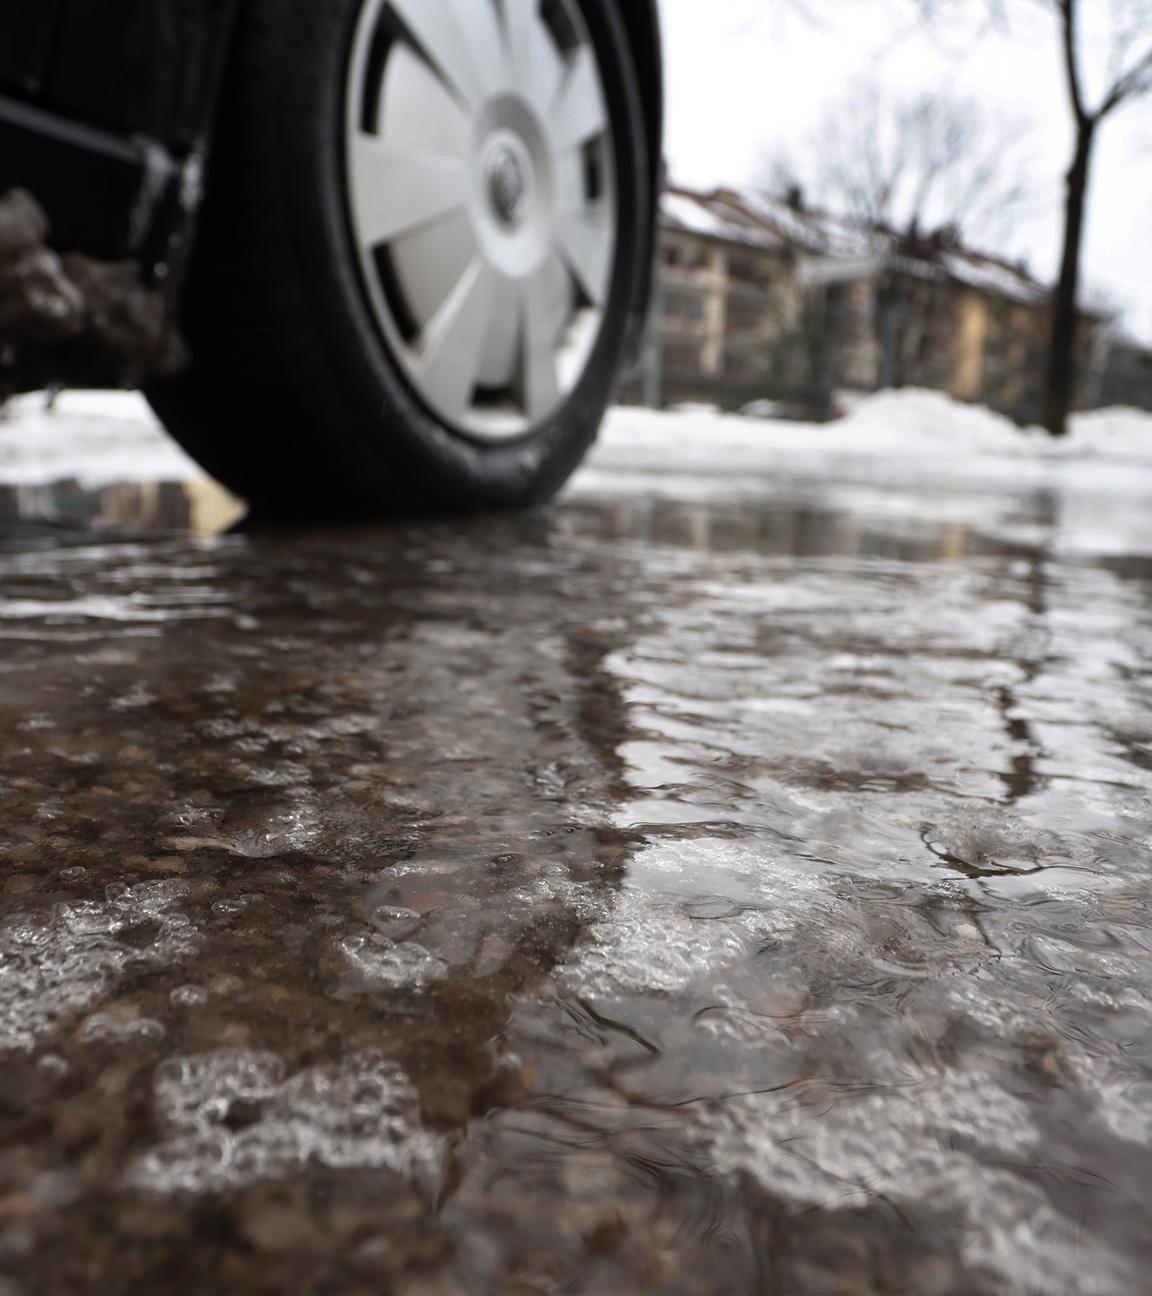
point(508, 183)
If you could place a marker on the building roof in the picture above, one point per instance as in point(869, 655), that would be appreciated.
point(704, 214)
point(766, 221)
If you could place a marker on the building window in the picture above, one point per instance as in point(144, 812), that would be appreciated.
point(680, 357)
point(745, 316)
point(681, 305)
point(748, 269)
point(740, 363)
point(682, 256)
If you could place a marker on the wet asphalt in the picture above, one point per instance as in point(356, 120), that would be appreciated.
point(738, 888)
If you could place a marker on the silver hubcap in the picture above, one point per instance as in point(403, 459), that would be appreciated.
point(507, 184)
point(482, 195)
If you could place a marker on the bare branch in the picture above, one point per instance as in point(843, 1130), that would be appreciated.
point(1137, 81)
point(1070, 52)
point(899, 166)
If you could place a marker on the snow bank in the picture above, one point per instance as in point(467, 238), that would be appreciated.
point(933, 422)
point(898, 423)
point(906, 438)
point(1113, 432)
point(97, 437)
point(92, 437)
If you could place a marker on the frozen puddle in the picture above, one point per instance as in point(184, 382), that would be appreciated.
point(732, 880)
point(53, 966)
point(232, 1118)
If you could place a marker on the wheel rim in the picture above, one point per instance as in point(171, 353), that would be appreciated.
point(481, 190)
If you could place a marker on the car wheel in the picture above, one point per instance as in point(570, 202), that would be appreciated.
point(420, 251)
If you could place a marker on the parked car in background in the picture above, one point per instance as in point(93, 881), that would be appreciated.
point(360, 254)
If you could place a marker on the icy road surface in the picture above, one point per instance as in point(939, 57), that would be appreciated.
point(733, 880)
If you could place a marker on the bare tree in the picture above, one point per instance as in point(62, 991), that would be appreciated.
point(1129, 77)
point(913, 166)
point(1105, 50)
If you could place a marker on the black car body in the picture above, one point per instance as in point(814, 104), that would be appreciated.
point(107, 113)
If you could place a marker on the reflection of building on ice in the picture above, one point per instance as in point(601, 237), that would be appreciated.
point(101, 457)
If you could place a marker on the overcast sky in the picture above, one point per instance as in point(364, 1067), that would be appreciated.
point(748, 76)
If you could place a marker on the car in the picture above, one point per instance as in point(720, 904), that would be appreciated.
point(361, 255)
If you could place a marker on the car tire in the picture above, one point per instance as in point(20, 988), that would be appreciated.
point(324, 378)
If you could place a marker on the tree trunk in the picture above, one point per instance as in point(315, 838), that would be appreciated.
point(1060, 388)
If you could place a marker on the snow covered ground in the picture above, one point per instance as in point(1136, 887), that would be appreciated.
point(92, 437)
point(894, 438)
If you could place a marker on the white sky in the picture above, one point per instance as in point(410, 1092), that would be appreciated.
point(748, 76)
